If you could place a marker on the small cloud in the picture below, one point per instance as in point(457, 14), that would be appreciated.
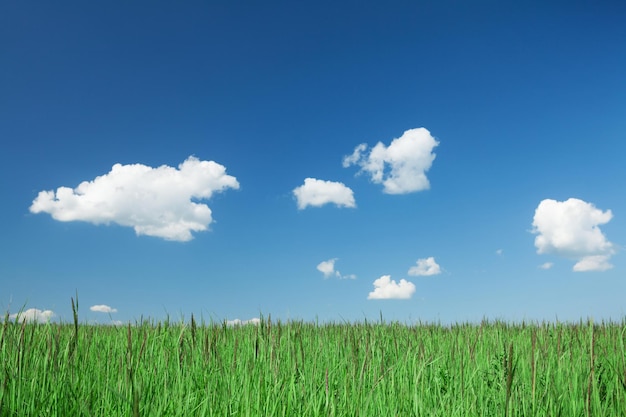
point(400, 167)
point(593, 263)
point(386, 288)
point(101, 308)
point(499, 252)
point(159, 202)
point(425, 267)
point(316, 193)
point(33, 315)
point(546, 265)
point(239, 322)
point(571, 229)
point(328, 269)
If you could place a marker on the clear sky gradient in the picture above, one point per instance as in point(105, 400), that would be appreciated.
point(438, 161)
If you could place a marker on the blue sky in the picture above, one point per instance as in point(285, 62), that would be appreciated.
point(490, 183)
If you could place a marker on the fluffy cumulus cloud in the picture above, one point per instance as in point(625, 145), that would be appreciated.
point(33, 315)
point(102, 308)
point(328, 269)
point(400, 167)
point(571, 229)
point(386, 288)
point(153, 201)
point(316, 193)
point(425, 267)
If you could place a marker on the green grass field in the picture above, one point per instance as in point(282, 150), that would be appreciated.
point(307, 369)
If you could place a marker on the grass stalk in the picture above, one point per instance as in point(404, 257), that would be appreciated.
point(592, 344)
point(510, 366)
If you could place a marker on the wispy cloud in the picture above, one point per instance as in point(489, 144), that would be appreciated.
point(153, 201)
point(33, 315)
point(408, 157)
point(571, 229)
point(546, 265)
point(425, 267)
point(102, 308)
point(386, 288)
point(328, 269)
point(317, 193)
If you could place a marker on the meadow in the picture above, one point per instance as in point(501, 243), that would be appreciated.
point(297, 368)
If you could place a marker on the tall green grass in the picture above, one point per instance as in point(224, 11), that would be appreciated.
point(305, 369)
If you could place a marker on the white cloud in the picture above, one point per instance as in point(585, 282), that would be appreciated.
point(33, 315)
point(499, 252)
point(593, 263)
point(239, 322)
point(570, 229)
point(153, 201)
point(425, 267)
point(386, 288)
point(408, 158)
point(316, 193)
point(328, 269)
point(546, 265)
point(102, 308)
